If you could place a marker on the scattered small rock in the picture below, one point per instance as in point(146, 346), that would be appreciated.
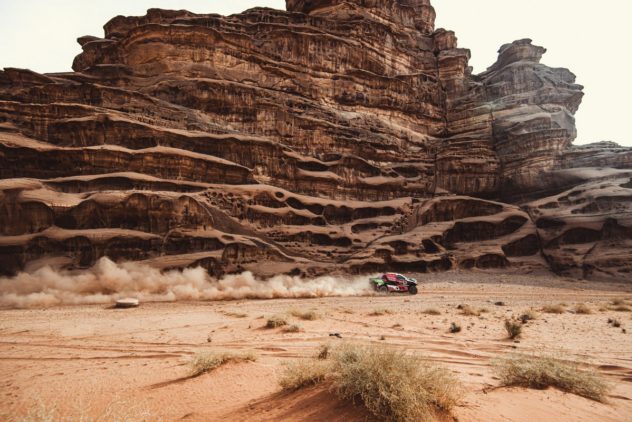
point(499, 303)
point(335, 335)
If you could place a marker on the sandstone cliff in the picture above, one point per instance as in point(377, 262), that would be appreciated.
point(336, 135)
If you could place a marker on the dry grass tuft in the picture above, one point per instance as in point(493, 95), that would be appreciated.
point(528, 315)
point(582, 309)
point(431, 311)
point(513, 328)
point(455, 328)
point(304, 315)
point(208, 361)
point(276, 321)
point(292, 329)
point(323, 351)
point(303, 373)
point(618, 301)
point(236, 314)
point(380, 312)
point(467, 310)
point(621, 308)
point(560, 308)
point(393, 386)
point(540, 372)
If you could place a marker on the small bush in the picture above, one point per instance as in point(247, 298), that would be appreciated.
point(305, 315)
point(303, 373)
point(393, 386)
point(582, 309)
point(455, 328)
point(380, 312)
point(431, 311)
point(554, 309)
point(616, 323)
point(276, 321)
point(540, 372)
point(513, 328)
point(621, 308)
point(467, 310)
point(206, 362)
point(323, 351)
point(618, 301)
point(528, 315)
point(292, 328)
point(236, 314)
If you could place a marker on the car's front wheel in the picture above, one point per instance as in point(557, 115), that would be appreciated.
point(412, 289)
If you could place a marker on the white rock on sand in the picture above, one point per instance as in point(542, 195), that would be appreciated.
point(127, 303)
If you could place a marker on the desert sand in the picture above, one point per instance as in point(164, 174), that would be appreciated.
point(94, 361)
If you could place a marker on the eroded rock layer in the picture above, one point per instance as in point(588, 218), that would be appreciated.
point(334, 136)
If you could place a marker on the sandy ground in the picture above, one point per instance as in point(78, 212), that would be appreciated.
point(93, 361)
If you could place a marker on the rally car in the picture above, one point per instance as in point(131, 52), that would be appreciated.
point(394, 283)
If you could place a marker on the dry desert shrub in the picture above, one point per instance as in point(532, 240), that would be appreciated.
point(583, 309)
point(235, 314)
point(621, 308)
point(554, 309)
point(323, 351)
point(304, 315)
point(292, 328)
point(392, 385)
point(208, 361)
point(303, 373)
point(455, 328)
point(380, 312)
point(528, 315)
point(431, 311)
point(513, 328)
point(541, 372)
point(276, 321)
point(467, 310)
point(618, 301)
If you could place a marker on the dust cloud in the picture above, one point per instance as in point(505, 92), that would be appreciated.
point(108, 281)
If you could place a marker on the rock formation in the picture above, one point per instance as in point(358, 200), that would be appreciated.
point(334, 136)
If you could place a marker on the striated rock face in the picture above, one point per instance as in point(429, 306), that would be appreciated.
point(334, 136)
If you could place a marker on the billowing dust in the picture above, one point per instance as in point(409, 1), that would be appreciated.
point(108, 281)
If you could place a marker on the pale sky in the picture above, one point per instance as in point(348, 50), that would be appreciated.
point(590, 38)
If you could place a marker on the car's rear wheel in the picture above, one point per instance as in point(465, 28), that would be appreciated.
point(412, 289)
point(382, 289)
